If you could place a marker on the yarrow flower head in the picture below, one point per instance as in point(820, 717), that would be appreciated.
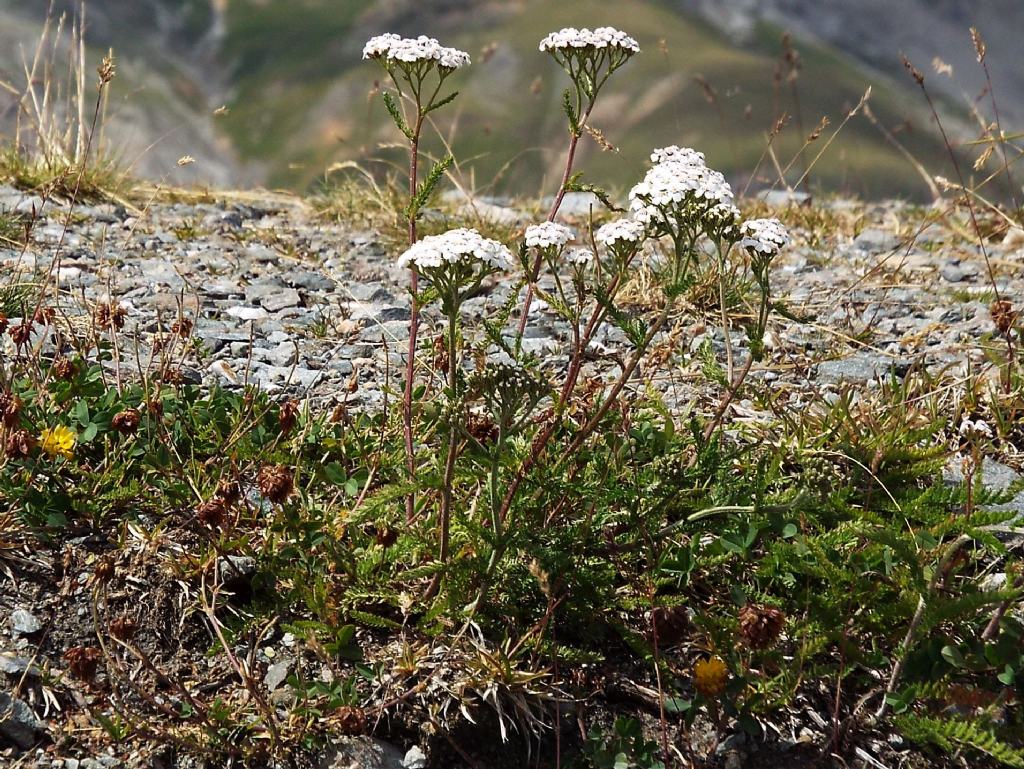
point(548, 235)
point(683, 154)
point(680, 188)
point(571, 39)
point(589, 57)
point(459, 247)
point(579, 257)
point(765, 237)
point(620, 232)
point(390, 49)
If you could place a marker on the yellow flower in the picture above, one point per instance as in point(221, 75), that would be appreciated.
point(59, 441)
point(710, 676)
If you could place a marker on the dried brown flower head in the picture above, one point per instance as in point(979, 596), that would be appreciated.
point(229, 490)
point(83, 661)
point(64, 368)
point(126, 422)
point(351, 721)
point(212, 512)
point(761, 626)
point(44, 315)
point(111, 315)
point(671, 623)
point(1003, 315)
point(124, 628)
point(482, 429)
point(182, 327)
point(20, 334)
point(20, 445)
point(155, 406)
point(3, 322)
point(287, 416)
point(172, 376)
point(10, 408)
point(276, 482)
point(105, 570)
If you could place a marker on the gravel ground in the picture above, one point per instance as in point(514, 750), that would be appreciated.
point(283, 298)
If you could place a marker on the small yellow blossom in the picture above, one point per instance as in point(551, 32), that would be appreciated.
point(59, 441)
point(710, 676)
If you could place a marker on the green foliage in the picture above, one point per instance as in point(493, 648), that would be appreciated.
point(625, 747)
point(950, 734)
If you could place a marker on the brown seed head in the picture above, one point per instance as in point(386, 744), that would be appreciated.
point(671, 623)
point(64, 368)
point(111, 315)
point(126, 422)
point(1003, 315)
point(287, 416)
point(761, 626)
point(20, 334)
point(3, 322)
point(482, 429)
point(276, 482)
point(83, 661)
point(124, 628)
point(212, 512)
point(10, 408)
point(44, 315)
point(20, 445)
point(104, 571)
point(979, 45)
point(914, 71)
point(106, 70)
point(351, 721)
point(182, 327)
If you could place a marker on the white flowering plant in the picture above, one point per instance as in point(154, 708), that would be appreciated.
point(418, 68)
point(681, 218)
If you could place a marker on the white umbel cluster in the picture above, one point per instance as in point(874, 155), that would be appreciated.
point(680, 177)
point(765, 236)
point(462, 247)
point(548, 235)
point(407, 50)
point(620, 231)
point(571, 39)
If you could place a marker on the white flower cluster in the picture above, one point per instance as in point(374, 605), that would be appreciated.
point(681, 183)
point(765, 236)
point(620, 231)
point(571, 39)
point(684, 154)
point(548, 235)
point(579, 256)
point(409, 50)
point(458, 247)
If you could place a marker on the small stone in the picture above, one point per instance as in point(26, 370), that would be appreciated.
point(14, 665)
point(247, 313)
point(875, 241)
point(362, 753)
point(414, 759)
point(282, 298)
point(277, 674)
point(23, 622)
point(18, 722)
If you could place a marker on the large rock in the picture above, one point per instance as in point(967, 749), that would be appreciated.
point(361, 753)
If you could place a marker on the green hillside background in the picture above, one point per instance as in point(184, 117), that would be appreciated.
point(299, 98)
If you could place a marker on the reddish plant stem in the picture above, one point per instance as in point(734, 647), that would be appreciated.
point(414, 322)
point(574, 141)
